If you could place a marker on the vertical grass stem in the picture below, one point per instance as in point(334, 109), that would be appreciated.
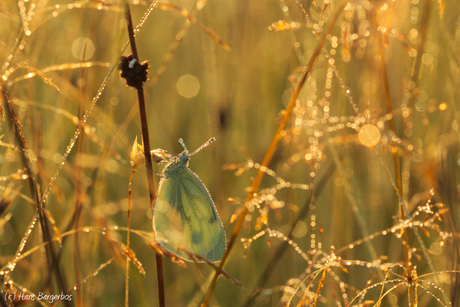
point(148, 158)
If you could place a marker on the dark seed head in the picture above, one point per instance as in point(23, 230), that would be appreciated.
point(132, 71)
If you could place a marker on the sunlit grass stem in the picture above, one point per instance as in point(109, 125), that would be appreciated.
point(271, 149)
point(282, 247)
point(52, 259)
point(394, 151)
point(79, 189)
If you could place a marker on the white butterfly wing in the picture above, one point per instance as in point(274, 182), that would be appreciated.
point(185, 216)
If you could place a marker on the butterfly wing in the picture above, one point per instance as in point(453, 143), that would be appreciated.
point(185, 216)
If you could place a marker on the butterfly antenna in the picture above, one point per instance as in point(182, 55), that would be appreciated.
point(201, 147)
point(181, 141)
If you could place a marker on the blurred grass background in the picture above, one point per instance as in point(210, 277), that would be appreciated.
point(236, 96)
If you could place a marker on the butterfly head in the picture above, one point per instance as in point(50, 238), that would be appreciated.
point(183, 158)
point(178, 163)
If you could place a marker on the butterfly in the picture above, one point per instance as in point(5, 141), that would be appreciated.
point(185, 217)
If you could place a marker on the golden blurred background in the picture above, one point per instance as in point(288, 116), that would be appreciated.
point(374, 130)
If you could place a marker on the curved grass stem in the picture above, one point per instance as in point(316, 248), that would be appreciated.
point(271, 149)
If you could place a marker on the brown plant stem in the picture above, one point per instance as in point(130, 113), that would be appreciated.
point(148, 158)
point(52, 259)
point(271, 149)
